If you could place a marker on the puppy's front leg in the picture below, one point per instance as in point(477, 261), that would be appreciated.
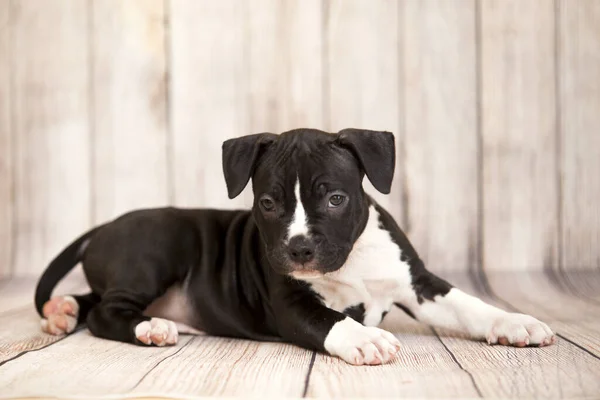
point(304, 320)
point(436, 303)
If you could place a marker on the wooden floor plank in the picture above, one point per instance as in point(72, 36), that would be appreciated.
point(19, 292)
point(20, 333)
point(87, 365)
point(212, 366)
point(573, 317)
point(509, 372)
point(19, 323)
point(428, 365)
point(423, 369)
point(534, 293)
point(583, 283)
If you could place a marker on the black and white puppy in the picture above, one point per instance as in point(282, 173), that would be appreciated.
point(316, 262)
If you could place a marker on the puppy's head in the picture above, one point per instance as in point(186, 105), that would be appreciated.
point(309, 203)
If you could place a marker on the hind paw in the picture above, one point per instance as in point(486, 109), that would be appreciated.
point(60, 315)
point(157, 331)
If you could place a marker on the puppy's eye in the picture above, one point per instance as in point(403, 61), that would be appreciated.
point(267, 204)
point(336, 200)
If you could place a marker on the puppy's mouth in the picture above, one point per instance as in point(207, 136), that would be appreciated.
point(305, 271)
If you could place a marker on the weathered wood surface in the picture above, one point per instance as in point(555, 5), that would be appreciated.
point(424, 368)
point(129, 105)
point(518, 121)
point(230, 367)
point(104, 367)
point(579, 90)
point(285, 67)
point(106, 106)
point(19, 323)
point(285, 71)
point(6, 202)
point(208, 97)
point(431, 363)
point(362, 41)
point(441, 153)
point(50, 128)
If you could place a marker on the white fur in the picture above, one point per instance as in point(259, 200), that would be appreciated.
point(299, 225)
point(358, 344)
point(373, 275)
point(59, 322)
point(157, 331)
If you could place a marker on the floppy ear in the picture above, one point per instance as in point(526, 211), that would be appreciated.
point(376, 153)
point(239, 158)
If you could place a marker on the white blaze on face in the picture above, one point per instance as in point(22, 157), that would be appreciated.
point(299, 222)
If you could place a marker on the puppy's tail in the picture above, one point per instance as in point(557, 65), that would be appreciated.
point(59, 267)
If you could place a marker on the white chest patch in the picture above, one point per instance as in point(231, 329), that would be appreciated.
point(373, 275)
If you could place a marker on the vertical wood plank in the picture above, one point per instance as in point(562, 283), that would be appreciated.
point(285, 65)
point(51, 128)
point(6, 183)
point(518, 134)
point(208, 94)
point(129, 93)
point(441, 131)
point(579, 68)
point(285, 74)
point(363, 68)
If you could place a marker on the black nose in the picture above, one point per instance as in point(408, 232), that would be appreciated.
point(301, 250)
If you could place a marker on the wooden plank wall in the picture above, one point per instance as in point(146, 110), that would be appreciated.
point(106, 106)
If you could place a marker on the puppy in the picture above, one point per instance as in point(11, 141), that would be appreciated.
point(316, 262)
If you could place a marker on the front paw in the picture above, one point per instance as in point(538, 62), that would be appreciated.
point(359, 345)
point(520, 330)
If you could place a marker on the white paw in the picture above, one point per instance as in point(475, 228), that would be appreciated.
point(157, 331)
point(520, 330)
point(357, 344)
point(60, 315)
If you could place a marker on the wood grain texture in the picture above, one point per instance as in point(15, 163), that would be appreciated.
point(363, 70)
point(561, 370)
point(573, 317)
point(129, 97)
point(534, 293)
point(584, 283)
point(506, 372)
point(423, 368)
point(6, 167)
point(208, 97)
point(285, 77)
point(51, 128)
point(18, 293)
point(579, 77)
point(441, 131)
point(518, 98)
point(105, 367)
point(231, 368)
point(285, 74)
point(20, 324)
point(428, 366)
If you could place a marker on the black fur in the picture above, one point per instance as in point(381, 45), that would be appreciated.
point(235, 263)
point(356, 312)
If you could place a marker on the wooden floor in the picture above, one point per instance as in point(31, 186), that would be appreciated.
point(432, 363)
